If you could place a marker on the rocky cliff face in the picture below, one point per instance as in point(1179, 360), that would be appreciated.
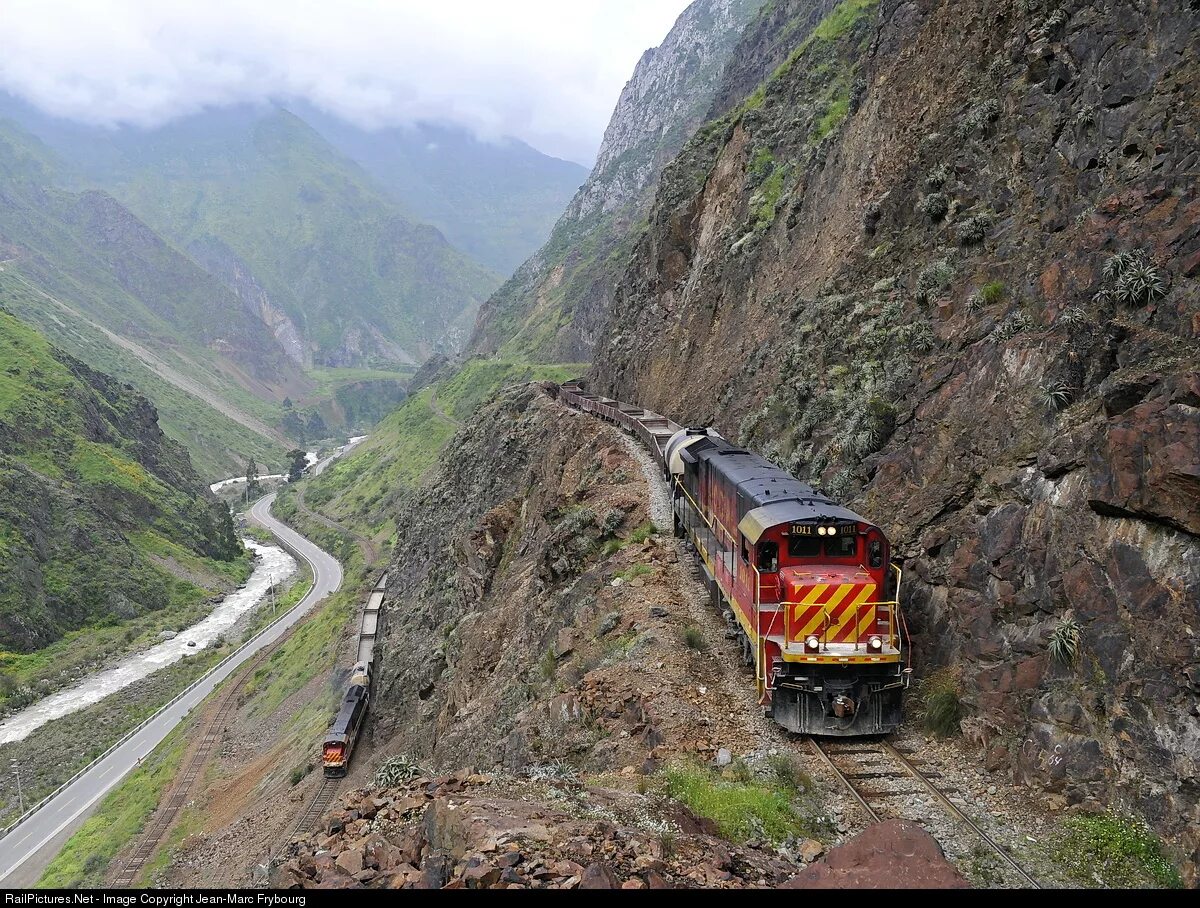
point(943, 263)
point(556, 303)
point(538, 614)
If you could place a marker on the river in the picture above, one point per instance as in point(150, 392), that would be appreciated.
point(272, 564)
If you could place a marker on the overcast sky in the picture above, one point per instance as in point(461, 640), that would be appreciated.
point(546, 71)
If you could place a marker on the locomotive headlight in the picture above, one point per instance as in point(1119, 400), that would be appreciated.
point(875, 643)
point(812, 644)
point(820, 531)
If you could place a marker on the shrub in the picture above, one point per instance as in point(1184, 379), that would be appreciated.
point(788, 773)
point(395, 770)
point(973, 230)
point(1113, 852)
point(693, 638)
point(940, 705)
point(1064, 642)
point(934, 206)
point(298, 774)
point(937, 178)
point(979, 118)
point(643, 532)
point(1140, 284)
point(934, 277)
point(1071, 317)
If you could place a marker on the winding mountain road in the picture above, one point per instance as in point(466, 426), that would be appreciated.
point(28, 849)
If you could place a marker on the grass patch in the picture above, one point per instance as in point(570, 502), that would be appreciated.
point(311, 647)
point(632, 573)
point(741, 810)
point(693, 638)
point(1112, 851)
point(992, 292)
point(121, 817)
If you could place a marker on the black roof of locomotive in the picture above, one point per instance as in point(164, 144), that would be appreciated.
point(759, 482)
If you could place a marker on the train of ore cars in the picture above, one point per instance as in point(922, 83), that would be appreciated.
point(809, 582)
point(347, 725)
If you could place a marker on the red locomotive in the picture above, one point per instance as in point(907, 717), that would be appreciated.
point(809, 582)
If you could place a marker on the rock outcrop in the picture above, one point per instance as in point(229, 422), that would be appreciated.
point(469, 830)
point(943, 262)
point(554, 306)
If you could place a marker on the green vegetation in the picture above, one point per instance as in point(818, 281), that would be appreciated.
point(120, 818)
point(1055, 395)
point(634, 571)
point(359, 488)
point(837, 107)
point(639, 535)
point(90, 484)
point(1113, 852)
point(311, 647)
point(992, 292)
point(693, 639)
point(940, 702)
point(741, 810)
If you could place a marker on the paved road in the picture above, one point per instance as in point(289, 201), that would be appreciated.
point(26, 851)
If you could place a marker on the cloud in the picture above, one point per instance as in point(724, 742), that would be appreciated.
point(546, 71)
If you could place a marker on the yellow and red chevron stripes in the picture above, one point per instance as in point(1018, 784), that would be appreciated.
point(830, 610)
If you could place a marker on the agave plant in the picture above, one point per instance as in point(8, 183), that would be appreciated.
point(1139, 284)
point(395, 770)
point(1055, 395)
point(1064, 641)
point(1072, 317)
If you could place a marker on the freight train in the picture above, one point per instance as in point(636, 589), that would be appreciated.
point(343, 734)
point(809, 583)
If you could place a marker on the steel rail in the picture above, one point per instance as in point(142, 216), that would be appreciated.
point(958, 812)
point(841, 776)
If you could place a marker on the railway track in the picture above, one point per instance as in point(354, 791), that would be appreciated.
point(181, 793)
point(875, 773)
point(320, 802)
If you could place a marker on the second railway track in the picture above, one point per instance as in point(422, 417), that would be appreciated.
point(883, 781)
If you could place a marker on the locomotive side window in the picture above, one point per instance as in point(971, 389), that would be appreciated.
point(804, 546)
point(768, 557)
point(841, 547)
point(875, 553)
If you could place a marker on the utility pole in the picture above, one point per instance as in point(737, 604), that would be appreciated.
point(271, 577)
point(16, 768)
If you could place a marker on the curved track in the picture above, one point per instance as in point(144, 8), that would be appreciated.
point(850, 773)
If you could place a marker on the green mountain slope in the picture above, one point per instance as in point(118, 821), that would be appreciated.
point(495, 200)
point(107, 289)
point(302, 234)
point(96, 503)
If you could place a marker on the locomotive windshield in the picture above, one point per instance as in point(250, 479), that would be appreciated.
point(813, 546)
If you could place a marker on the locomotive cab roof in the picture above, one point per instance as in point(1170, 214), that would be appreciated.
point(767, 496)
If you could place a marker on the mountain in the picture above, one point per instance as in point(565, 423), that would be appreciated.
point(307, 240)
point(942, 261)
point(555, 304)
point(101, 515)
point(110, 290)
point(496, 200)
